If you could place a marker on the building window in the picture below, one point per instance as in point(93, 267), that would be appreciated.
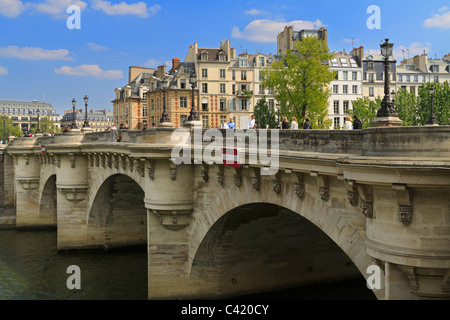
point(183, 119)
point(222, 73)
point(223, 104)
point(152, 104)
point(204, 88)
point(260, 76)
point(346, 106)
point(336, 106)
point(354, 76)
point(271, 105)
point(183, 84)
point(270, 90)
point(355, 89)
point(436, 79)
point(345, 75)
point(412, 89)
point(233, 89)
point(408, 78)
point(261, 89)
point(400, 78)
point(232, 104)
point(370, 77)
point(416, 78)
point(424, 79)
point(233, 75)
point(370, 65)
point(345, 89)
point(222, 119)
point(337, 122)
point(261, 61)
point(205, 121)
point(183, 102)
point(204, 56)
point(204, 73)
point(371, 93)
point(434, 68)
point(144, 110)
point(335, 88)
point(222, 88)
point(243, 75)
point(205, 104)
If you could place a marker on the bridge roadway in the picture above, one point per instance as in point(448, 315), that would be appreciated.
point(338, 203)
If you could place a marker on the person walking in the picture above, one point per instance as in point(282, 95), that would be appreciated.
point(285, 123)
point(251, 122)
point(294, 124)
point(348, 123)
point(231, 124)
point(357, 124)
point(307, 124)
point(224, 125)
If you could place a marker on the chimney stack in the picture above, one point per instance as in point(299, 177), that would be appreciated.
point(175, 63)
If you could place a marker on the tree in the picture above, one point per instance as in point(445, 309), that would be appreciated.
point(46, 125)
point(441, 103)
point(265, 115)
point(300, 81)
point(406, 107)
point(366, 110)
point(11, 129)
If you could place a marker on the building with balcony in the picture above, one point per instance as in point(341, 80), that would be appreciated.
point(23, 113)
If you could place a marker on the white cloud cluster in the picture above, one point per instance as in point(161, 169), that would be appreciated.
point(415, 48)
point(90, 70)
point(11, 8)
point(97, 47)
point(263, 30)
point(441, 21)
point(55, 8)
point(254, 12)
point(3, 71)
point(32, 53)
point(138, 9)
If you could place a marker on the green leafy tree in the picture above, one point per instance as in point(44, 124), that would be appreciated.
point(9, 129)
point(265, 115)
point(441, 103)
point(366, 110)
point(300, 81)
point(46, 125)
point(406, 107)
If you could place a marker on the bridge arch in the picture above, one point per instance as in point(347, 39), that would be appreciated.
point(267, 210)
point(48, 203)
point(117, 216)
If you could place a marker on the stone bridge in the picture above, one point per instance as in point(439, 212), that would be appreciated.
point(337, 204)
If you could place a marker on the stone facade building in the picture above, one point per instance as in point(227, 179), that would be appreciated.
point(99, 120)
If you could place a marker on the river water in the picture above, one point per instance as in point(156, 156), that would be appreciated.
point(32, 269)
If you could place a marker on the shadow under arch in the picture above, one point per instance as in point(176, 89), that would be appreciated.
point(48, 203)
point(118, 217)
point(261, 247)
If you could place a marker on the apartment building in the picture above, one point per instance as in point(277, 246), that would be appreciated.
point(346, 88)
point(286, 38)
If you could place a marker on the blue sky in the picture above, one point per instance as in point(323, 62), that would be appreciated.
point(40, 56)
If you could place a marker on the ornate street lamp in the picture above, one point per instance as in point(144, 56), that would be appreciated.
point(386, 115)
point(259, 117)
point(86, 121)
point(30, 113)
point(165, 116)
point(74, 124)
point(193, 81)
point(432, 120)
point(38, 112)
point(278, 125)
point(393, 96)
point(4, 129)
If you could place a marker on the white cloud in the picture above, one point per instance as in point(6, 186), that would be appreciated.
point(267, 30)
point(138, 9)
point(97, 47)
point(254, 12)
point(443, 9)
point(90, 70)
point(152, 63)
point(415, 48)
point(55, 8)
point(3, 71)
point(349, 40)
point(31, 53)
point(438, 21)
point(11, 8)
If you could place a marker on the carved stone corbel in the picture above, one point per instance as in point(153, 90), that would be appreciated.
point(109, 160)
point(237, 176)
point(56, 158)
point(411, 274)
point(74, 193)
point(405, 204)
point(72, 159)
point(103, 160)
point(151, 169)
point(220, 174)
point(90, 157)
point(123, 161)
point(255, 175)
point(276, 182)
point(173, 171)
point(27, 159)
point(299, 185)
point(15, 158)
point(96, 160)
point(140, 167)
point(115, 158)
point(205, 171)
point(352, 192)
point(130, 161)
point(173, 219)
point(366, 197)
point(322, 182)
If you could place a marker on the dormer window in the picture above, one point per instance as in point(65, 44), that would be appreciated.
point(222, 56)
point(435, 68)
point(204, 56)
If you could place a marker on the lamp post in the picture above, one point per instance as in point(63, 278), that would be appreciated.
point(193, 81)
point(393, 97)
point(30, 113)
point(165, 116)
point(386, 115)
point(74, 124)
point(38, 112)
point(278, 124)
point(259, 118)
point(432, 120)
point(4, 129)
point(86, 121)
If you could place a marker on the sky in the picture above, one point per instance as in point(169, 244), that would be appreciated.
point(52, 54)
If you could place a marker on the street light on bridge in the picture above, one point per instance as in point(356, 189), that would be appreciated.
point(74, 125)
point(165, 116)
point(86, 121)
point(38, 112)
point(432, 120)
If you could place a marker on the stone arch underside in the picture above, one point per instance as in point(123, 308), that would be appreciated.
point(47, 207)
point(118, 217)
point(252, 241)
